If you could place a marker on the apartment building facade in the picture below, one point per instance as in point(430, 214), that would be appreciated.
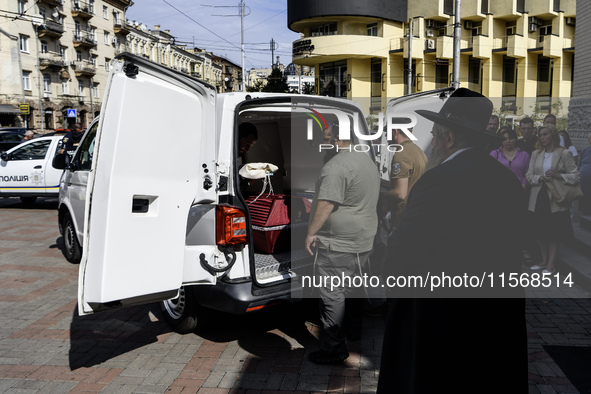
point(159, 46)
point(54, 58)
point(511, 50)
point(231, 75)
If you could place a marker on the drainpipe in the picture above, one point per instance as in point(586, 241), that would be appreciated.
point(455, 83)
point(18, 51)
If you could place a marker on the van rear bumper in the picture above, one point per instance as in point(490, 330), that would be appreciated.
point(240, 298)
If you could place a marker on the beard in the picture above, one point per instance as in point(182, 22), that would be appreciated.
point(437, 156)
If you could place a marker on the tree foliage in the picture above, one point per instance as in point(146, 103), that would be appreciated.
point(276, 82)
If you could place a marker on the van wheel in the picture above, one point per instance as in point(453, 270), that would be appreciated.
point(72, 249)
point(28, 200)
point(182, 313)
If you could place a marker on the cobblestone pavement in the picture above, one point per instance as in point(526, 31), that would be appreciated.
point(45, 347)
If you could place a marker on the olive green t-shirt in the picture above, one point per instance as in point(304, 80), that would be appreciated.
point(351, 181)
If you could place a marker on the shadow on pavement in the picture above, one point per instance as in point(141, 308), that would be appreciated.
point(103, 336)
point(42, 203)
point(289, 319)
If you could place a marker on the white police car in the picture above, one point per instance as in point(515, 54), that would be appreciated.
point(26, 170)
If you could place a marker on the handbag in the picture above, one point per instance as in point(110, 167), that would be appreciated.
point(563, 193)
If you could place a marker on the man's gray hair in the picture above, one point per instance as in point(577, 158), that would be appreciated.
point(462, 139)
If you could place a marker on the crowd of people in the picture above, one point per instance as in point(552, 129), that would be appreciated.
point(536, 158)
point(441, 222)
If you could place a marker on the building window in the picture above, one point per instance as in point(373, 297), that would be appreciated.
point(24, 44)
point(376, 84)
point(44, 48)
point(22, 6)
point(46, 83)
point(324, 30)
point(92, 33)
point(65, 89)
point(27, 80)
point(442, 75)
point(509, 76)
point(77, 30)
point(95, 90)
point(105, 12)
point(107, 64)
point(78, 55)
point(116, 17)
point(333, 79)
point(545, 66)
point(556, 5)
point(63, 53)
point(545, 29)
point(484, 7)
point(448, 7)
point(81, 89)
point(91, 6)
point(475, 74)
point(107, 39)
point(43, 12)
point(372, 29)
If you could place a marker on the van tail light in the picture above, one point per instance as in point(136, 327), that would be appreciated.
point(230, 226)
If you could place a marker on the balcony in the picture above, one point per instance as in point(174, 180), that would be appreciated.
point(51, 62)
point(84, 40)
point(50, 29)
point(310, 50)
point(548, 45)
point(121, 28)
point(84, 68)
point(444, 47)
point(82, 9)
point(54, 2)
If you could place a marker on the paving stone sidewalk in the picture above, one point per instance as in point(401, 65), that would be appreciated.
point(45, 347)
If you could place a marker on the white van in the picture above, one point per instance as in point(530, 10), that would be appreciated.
point(168, 217)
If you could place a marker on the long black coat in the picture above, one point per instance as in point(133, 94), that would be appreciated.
point(463, 216)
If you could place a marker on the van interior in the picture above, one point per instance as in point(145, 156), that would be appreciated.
point(291, 137)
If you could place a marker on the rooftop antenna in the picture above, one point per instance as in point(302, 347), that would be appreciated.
point(242, 8)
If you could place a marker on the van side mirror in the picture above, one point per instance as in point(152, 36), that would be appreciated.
point(60, 161)
point(4, 156)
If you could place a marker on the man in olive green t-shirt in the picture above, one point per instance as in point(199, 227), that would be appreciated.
point(342, 228)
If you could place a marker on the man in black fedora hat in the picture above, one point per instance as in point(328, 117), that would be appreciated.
point(463, 220)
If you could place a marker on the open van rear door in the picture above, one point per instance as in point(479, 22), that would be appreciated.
point(154, 158)
point(403, 108)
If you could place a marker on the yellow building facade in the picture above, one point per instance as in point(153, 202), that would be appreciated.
point(511, 50)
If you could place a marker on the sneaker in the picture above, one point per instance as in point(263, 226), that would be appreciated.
point(548, 272)
point(537, 267)
point(321, 357)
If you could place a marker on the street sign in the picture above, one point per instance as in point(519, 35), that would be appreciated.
point(25, 109)
point(71, 113)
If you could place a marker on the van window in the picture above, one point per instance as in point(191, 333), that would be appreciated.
point(33, 151)
point(87, 149)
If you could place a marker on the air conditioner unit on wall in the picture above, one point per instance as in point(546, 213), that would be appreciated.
point(571, 21)
point(533, 19)
point(467, 25)
point(430, 44)
point(429, 23)
point(533, 27)
point(430, 33)
point(114, 40)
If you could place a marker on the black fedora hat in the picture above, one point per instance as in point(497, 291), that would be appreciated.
point(464, 111)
